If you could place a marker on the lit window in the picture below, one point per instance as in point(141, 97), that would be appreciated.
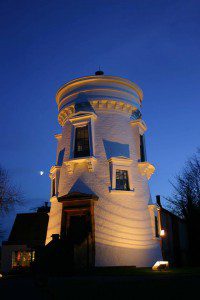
point(162, 233)
point(81, 147)
point(142, 149)
point(156, 227)
point(122, 182)
point(22, 258)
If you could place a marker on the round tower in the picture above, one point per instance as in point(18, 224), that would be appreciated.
point(100, 198)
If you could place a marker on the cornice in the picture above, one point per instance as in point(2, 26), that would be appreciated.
point(102, 104)
point(72, 95)
point(91, 79)
point(120, 160)
point(82, 116)
point(54, 169)
point(140, 123)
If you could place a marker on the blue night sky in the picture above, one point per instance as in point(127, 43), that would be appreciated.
point(46, 43)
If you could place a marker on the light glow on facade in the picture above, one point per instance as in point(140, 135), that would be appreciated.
point(160, 265)
point(123, 227)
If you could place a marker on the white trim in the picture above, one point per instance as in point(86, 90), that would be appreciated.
point(121, 163)
point(140, 124)
point(154, 212)
point(82, 116)
point(58, 136)
point(89, 160)
point(121, 192)
point(146, 169)
point(121, 160)
point(81, 121)
point(55, 174)
point(54, 169)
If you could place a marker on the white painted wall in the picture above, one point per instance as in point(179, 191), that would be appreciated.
point(123, 227)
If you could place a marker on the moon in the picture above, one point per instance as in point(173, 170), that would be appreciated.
point(41, 173)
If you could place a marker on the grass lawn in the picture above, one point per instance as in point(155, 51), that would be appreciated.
point(107, 283)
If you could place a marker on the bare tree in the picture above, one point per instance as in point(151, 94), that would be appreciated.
point(10, 195)
point(185, 202)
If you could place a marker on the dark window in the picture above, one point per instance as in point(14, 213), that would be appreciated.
point(82, 147)
point(122, 180)
point(53, 187)
point(156, 227)
point(142, 149)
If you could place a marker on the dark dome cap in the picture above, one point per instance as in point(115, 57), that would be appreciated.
point(99, 72)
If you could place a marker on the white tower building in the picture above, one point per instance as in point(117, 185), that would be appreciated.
point(100, 196)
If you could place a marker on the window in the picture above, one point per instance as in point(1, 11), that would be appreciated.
point(81, 147)
point(22, 258)
point(142, 149)
point(122, 182)
point(121, 175)
point(53, 187)
point(156, 227)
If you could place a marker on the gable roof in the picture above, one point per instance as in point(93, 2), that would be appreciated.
point(29, 229)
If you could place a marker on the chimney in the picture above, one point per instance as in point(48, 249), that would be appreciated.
point(55, 237)
point(158, 200)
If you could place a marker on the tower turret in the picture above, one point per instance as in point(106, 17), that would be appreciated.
point(100, 197)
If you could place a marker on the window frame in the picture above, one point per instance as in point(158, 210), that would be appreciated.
point(120, 163)
point(143, 157)
point(124, 180)
point(73, 137)
point(53, 186)
point(154, 211)
point(75, 152)
point(54, 175)
point(156, 224)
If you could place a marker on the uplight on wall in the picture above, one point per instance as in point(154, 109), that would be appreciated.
point(162, 233)
point(160, 265)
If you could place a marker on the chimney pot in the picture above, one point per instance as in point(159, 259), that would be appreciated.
point(158, 201)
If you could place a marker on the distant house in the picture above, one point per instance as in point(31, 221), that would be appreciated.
point(174, 242)
point(27, 236)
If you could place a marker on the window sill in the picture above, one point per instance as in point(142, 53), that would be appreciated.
point(121, 191)
point(89, 160)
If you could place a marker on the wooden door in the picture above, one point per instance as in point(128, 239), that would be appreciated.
point(79, 234)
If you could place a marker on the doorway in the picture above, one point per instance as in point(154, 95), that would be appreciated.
point(79, 232)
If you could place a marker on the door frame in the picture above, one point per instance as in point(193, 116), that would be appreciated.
point(75, 207)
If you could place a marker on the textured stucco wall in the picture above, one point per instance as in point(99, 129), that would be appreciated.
point(54, 225)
